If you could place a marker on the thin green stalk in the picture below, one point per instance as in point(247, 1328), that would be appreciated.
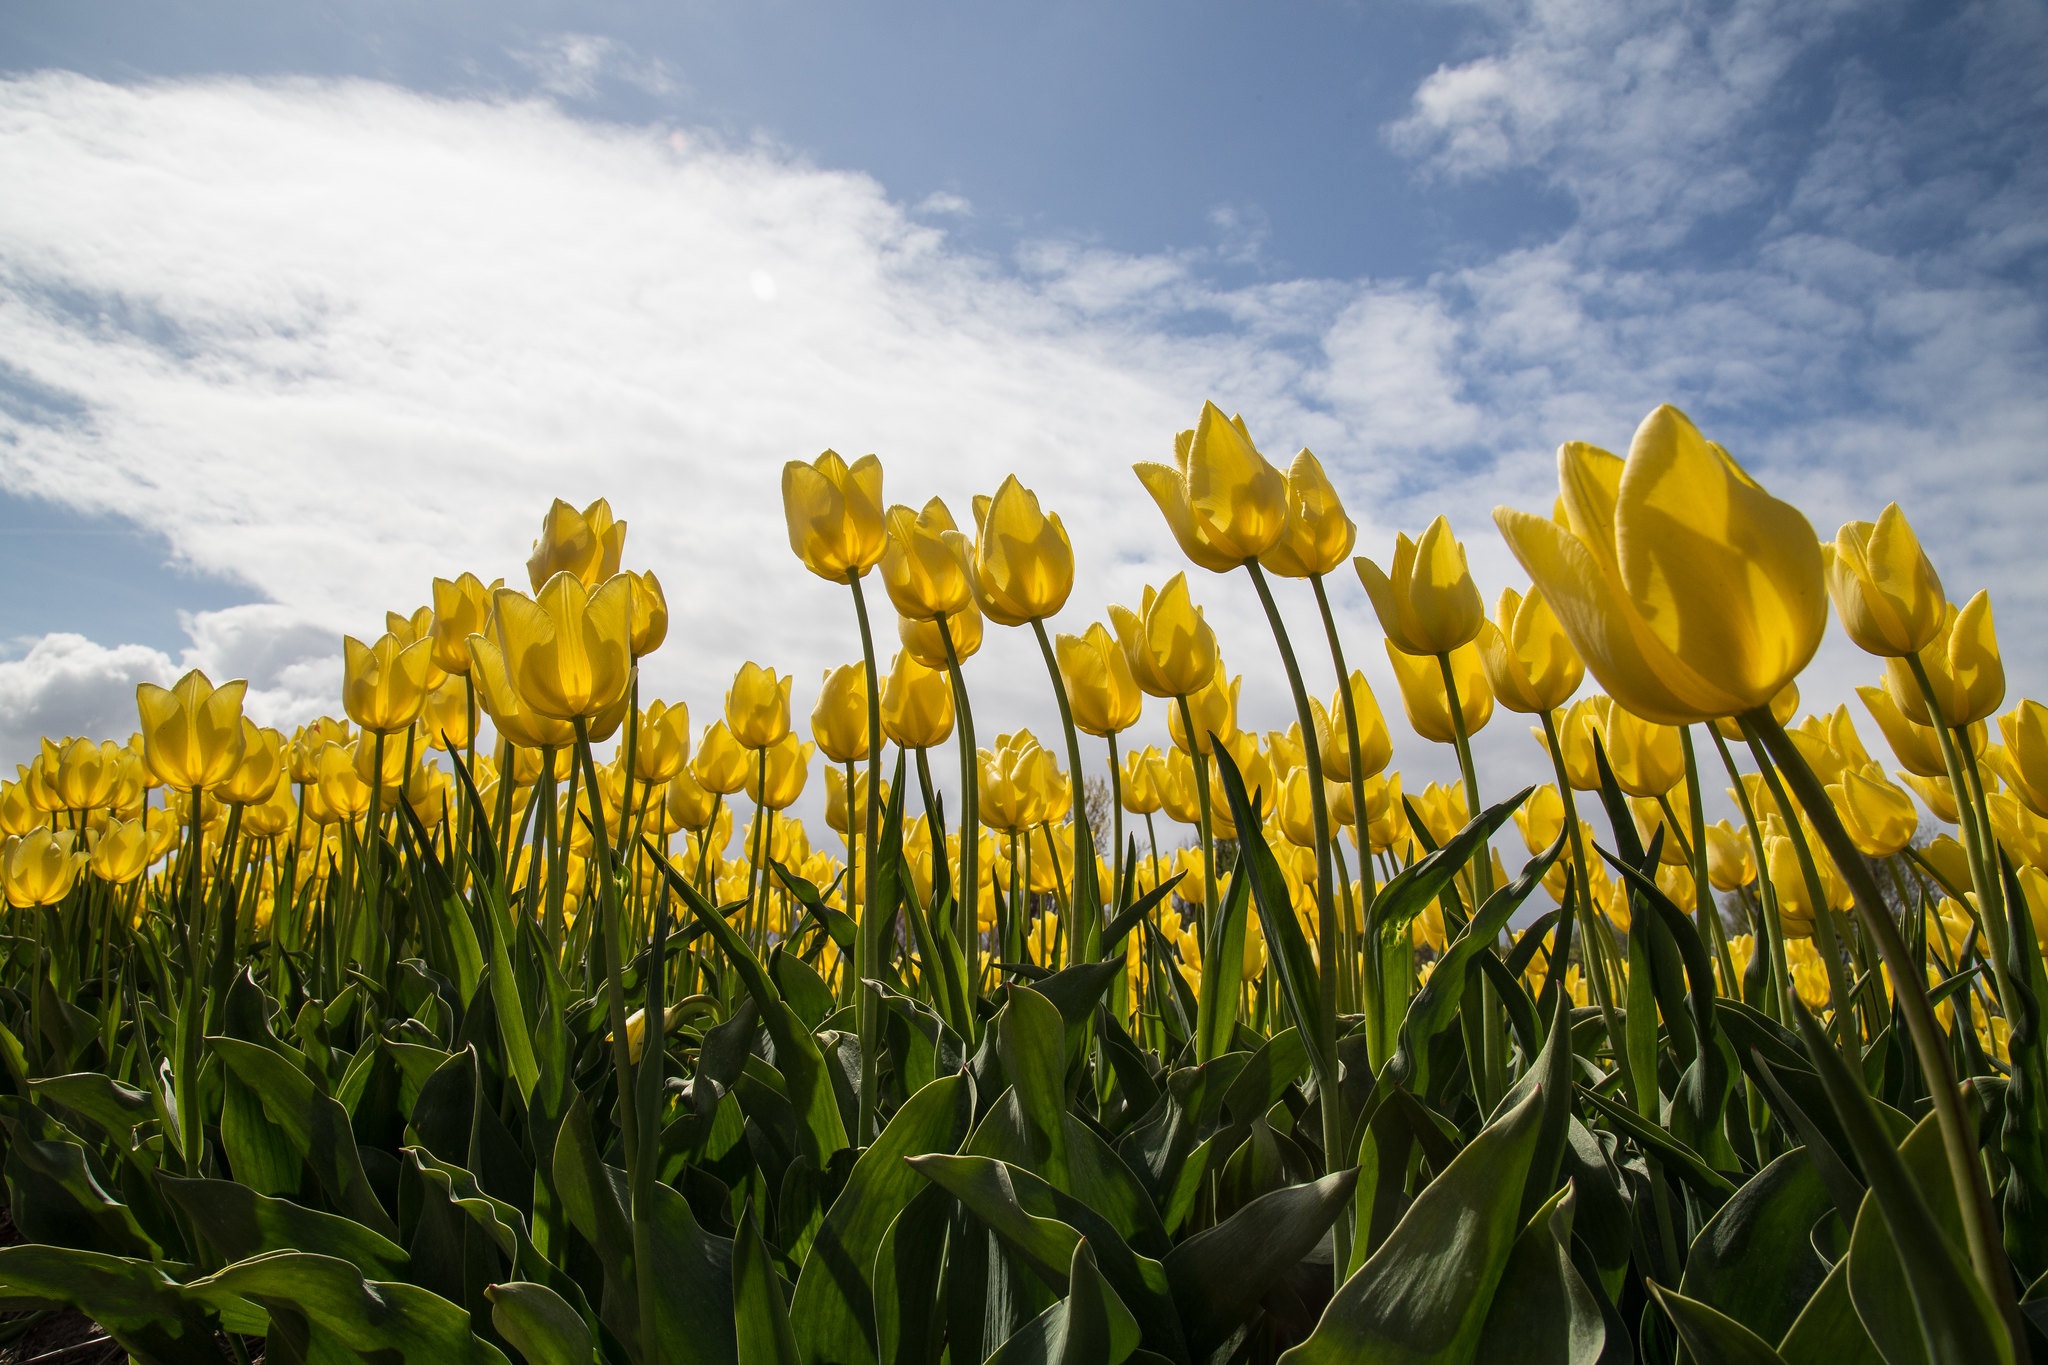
point(607, 890)
point(1116, 812)
point(1367, 890)
point(1816, 891)
point(868, 942)
point(970, 818)
point(1592, 944)
point(1704, 908)
point(1199, 757)
point(1085, 931)
point(1767, 895)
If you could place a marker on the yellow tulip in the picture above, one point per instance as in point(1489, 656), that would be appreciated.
point(515, 720)
point(1225, 504)
point(1688, 590)
point(1375, 745)
point(192, 732)
point(757, 707)
point(462, 608)
point(924, 577)
point(1386, 813)
point(1731, 857)
point(1101, 690)
point(1879, 817)
point(1169, 646)
point(928, 646)
point(839, 722)
point(1582, 722)
point(2023, 762)
point(650, 613)
point(1934, 793)
point(1951, 860)
point(272, 816)
point(261, 770)
point(569, 650)
point(2023, 833)
point(303, 758)
point(1647, 758)
point(1214, 709)
point(2034, 888)
point(1422, 692)
point(428, 791)
point(1541, 818)
point(1429, 604)
point(917, 704)
point(588, 544)
point(1019, 566)
point(1143, 774)
point(662, 743)
point(690, 806)
point(40, 867)
point(1293, 810)
point(121, 852)
point(385, 685)
point(1649, 818)
point(1012, 791)
point(721, 762)
point(38, 779)
point(1443, 811)
point(1530, 665)
point(1675, 881)
point(342, 788)
point(834, 512)
point(446, 717)
point(1962, 664)
point(1318, 535)
point(84, 775)
point(18, 814)
point(1916, 746)
point(788, 764)
point(1884, 588)
point(835, 803)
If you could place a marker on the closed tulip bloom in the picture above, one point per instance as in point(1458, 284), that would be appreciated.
point(413, 629)
point(302, 758)
point(1011, 791)
point(662, 744)
point(272, 816)
point(1689, 591)
point(120, 852)
point(1647, 758)
point(500, 700)
point(569, 650)
point(926, 645)
point(2024, 765)
point(462, 608)
point(834, 512)
point(1529, 663)
point(650, 613)
point(1731, 857)
point(1934, 793)
point(1541, 818)
point(924, 577)
point(1916, 746)
point(835, 802)
point(757, 706)
point(1386, 813)
point(83, 774)
point(1884, 588)
point(445, 717)
point(1019, 566)
point(1429, 603)
point(1224, 503)
point(2022, 833)
point(839, 722)
point(721, 763)
point(917, 704)
point(1169, 646)
point(1962, 663)
point(1649, 818)
point(261, 770)
point(689, 805)
point(38, 780)
point(192, 732)
point(428, 791)
point(1214, 709)
point(1582, 721)
point(1178, 795)
point(588, 544)
point(1879, 817)
point(1443, 811)
point(789, 764)
point(1294, 811)
point(18, 814)
point(342, 788)
point(391, 776)
point(1100, 689)
point(1319, 535)
point(40, 867)
point(1376, 746)
point(384, 686)
point(1143, 773)
point(1422, 692)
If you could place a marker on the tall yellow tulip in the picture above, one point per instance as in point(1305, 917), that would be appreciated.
point(1214, 710)
point(517, 721)
point(923, 575)
point(1143, 777)
point(84, 775)
point(788, 764)
point(1428, 605)
point(1648, 759)
point(1319, 534)
point(650, 613)
point(1225, 504)
point(1964, 670)
point(1884, 588)
point(662, 746)
point(2025, 763)
point(1169, 647)
point(384, 686)
point(1019, 566)
point(839, 722)
point(192, 731)
point(40, 867)
point(834, 514)
point(1376, 746)
point(261, 768)
point(1100, 687)
point(917, 704)
point(1423, 698)
point(569, 650)
point(721, 763)
point(1689, 591)
point(588, 544)
point(121, 852)
point(462, 608)
point(757, 706)
point(1530, 665)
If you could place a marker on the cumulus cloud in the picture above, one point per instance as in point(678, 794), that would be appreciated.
point(333, 339)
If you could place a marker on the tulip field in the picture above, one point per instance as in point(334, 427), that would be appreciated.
point(507, 1016)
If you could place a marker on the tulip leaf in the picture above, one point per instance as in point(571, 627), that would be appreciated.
point(1685, 1163)
point(116, 1109)
point(907, 1281)
point(56, 1196)
point(837, 923)
point(1113, 936)
point(1091, 1326)
point(1711, 1337)
point(1753, 1260)
point(500, 1222)
point(1543, 1312)
point(240, 1223)
point(760, 1313)
point(382, 1319)
point(1223, 970)
point(833, 1308)
point(1220, 1275)
point(134, 1300)
point(1409, 892)
point(540, 1325)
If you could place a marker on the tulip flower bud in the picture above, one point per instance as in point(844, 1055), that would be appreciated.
point(18, 814)
point(1541, 818)
point(788, 764)
point(84, 775)
point(1649, 818)
point(385, 685)
point(757, 706)
point(411, 629)
point(1916, 746)
point(569, 649)
point(1963, 669)
point(1429, 604)
point(834, 513)
point(446, 716)
point(1178, 796)
point(1422, 692)
point(1376, 746)
point(839, 722)
point(587, 544)
point(1170, 649)
point(1100, 689)
point(272, 816)
point(835, 806)
point(1731, 858)
point(261, 770)
point(462, 608)
point(1688, 590)
point(690, 806)
point(1318, 535)
point(917, 704)
point(1443, 811)
point(2022, 833)
point(1143, 773)
point(40, 867)
point(1530, 665)
point(1648, 759)
point(1019, 566)
point(721, 763)
point(926, 644)
point(1884, 588)
point(922, 574)
point(1879, 817)
point(1783, 706)
point(192, 733)
point(121, 852)
point(516, 722)
point(1225, 504)
point(1295, 811)
point(650, 613)
point(1214, 710)
point(662, 744)
point(1011, 791)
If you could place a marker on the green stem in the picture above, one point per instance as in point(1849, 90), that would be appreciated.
point(868, 943)
point(1767, 895)
point(607, 890)
point(970, 818)
point(1593, 948)
point(1085, 930)
point(1367, 890)
point(1704, 908)
point(1199, 757)
point(1816, 892)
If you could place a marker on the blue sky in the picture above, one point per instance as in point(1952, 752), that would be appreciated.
point(301, 305)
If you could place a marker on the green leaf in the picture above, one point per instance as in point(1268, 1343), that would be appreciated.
point(134, 1300)
point(833, 1309)
point(540, 1325)
point(1542, 1312)
point(501, 1223)
point(316, 1126)
point(1409, 892)
point(761, 1317)
point(1223, 971)
point(55, 1196)
point(1685, 1163)
point(1711, 1336)
point(240, 1223)
point(1423, 1295)
point(382, 1319)
point(1220, 1275)
point(1754, 1260)
point(1090, 1326)
point(1827, 1331)
point(115, 1108)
